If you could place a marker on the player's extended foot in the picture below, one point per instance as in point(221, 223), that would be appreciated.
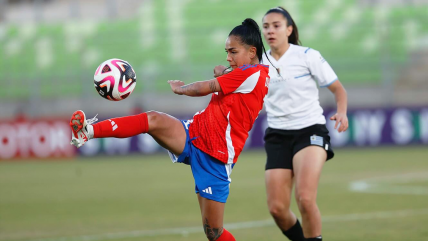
point(80, 128)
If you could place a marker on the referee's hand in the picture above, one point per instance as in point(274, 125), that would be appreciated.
point(341, 122)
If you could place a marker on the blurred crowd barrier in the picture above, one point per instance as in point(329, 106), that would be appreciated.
point(35, 138)
point(367, 127)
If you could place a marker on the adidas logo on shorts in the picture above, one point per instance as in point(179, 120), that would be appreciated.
point(207, 190)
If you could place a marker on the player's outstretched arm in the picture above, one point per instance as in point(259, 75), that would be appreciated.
point(200, 88)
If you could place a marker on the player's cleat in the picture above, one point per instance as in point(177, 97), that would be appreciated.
point(81, 129)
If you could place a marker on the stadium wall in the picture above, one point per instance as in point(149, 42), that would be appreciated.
point(367, 128)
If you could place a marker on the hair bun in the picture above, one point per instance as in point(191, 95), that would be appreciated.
point(252, 23)
point(247, 21)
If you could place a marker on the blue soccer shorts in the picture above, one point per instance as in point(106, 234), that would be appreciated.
point(212, 177)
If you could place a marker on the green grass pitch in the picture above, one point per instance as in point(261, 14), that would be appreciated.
point(149, 198)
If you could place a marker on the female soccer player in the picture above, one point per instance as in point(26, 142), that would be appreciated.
point(212, 141)
point(297, 142)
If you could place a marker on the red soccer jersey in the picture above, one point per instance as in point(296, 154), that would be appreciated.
point(222, 128)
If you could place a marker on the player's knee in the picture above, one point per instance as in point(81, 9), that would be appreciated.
point(278, 208)
point(306, 202)
point(153, 118)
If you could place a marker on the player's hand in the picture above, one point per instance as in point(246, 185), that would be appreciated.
point(219, 70)
point(176, 86)
point(341, 122)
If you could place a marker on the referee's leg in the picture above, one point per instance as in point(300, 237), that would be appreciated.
point(279, 184)
point(307, 165)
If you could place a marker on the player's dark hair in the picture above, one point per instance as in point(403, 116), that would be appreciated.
point(249, 33)
point(294, 37)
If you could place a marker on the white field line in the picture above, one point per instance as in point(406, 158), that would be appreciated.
point(233, 226)
point(388, 184)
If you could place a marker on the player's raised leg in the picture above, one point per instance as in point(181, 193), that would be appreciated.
point(165, 129)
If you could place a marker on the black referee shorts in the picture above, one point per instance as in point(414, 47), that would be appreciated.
point(282, 145)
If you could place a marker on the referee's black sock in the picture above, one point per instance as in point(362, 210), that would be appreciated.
point(295, 233)
point(319, 238)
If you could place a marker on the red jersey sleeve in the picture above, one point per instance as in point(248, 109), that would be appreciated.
point(231, 81)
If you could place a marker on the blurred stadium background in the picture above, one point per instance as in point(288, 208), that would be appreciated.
point(375, 189)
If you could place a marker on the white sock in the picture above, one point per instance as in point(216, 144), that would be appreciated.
point(90, 131)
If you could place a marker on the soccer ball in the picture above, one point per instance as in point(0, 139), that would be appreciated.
point(115, 79)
